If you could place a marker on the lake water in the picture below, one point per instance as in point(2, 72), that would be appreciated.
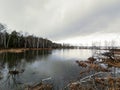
point(59, 65)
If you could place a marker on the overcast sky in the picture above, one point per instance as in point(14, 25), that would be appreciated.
point(70, 21)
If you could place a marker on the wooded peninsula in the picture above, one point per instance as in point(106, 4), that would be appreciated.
point(24, 41)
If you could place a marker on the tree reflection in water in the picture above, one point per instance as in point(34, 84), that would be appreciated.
point(12, 66)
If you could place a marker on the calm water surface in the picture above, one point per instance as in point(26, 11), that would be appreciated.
point(59, 65)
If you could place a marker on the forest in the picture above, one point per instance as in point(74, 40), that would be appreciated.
point(19, 40)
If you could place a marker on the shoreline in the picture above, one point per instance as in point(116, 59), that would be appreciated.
point(20, 50)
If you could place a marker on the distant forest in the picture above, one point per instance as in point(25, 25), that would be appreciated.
point(19, 40)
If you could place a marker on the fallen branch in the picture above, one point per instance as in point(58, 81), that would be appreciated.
point(81, 80)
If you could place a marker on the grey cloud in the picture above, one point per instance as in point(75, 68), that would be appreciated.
point(53, 19)
point(98, 21)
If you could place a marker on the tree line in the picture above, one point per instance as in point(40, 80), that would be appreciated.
point(18, 40)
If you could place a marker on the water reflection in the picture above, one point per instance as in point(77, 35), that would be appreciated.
point(38, 65)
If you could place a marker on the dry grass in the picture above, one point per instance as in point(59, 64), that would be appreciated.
point(114, 64)
point(40, 86)
point(101, 84)
point(107, 82)
point(17, 50)
point(117, 52)
point(20, 50)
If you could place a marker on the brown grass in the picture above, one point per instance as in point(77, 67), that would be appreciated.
point(40, 86)
point(114, 64)
point(117, 52)
point(17, 50)
point(20, 50)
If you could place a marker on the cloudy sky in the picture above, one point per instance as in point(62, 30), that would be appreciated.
point(70, 21)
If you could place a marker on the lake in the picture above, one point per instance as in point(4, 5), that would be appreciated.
point(57, 65)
